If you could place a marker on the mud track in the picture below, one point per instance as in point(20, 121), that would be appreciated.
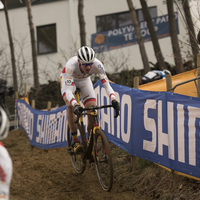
point(40, 175)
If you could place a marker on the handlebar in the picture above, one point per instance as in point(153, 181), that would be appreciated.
point(93, 108)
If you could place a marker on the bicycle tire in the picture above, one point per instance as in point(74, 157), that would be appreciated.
point(103, 160)
point(78, 160)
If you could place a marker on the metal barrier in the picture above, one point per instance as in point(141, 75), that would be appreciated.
point(190, 80)
point(13, 123)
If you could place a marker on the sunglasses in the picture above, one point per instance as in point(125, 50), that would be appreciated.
point(90, 64)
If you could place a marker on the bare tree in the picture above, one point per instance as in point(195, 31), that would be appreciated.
point(22, 61)
point(154, 37)
point(33, 45)
point(191, 31)
point(5, 72)
point(118, 63)
point(139, 37)
point(15, 84)
point(81, 22)
point(174, 37)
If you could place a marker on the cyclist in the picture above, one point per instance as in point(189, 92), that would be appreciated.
point(5, 160)
point(155, 75)
point(76, 74)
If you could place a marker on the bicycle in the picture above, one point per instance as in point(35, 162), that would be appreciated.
point(96, 149)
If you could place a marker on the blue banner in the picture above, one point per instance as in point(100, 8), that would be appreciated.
point(45, 130)
point(161, 127)
point(125, 35)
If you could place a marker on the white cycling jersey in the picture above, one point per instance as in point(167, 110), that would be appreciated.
point(5, 173)
point(72, 78)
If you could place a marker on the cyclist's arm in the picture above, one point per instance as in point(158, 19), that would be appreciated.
point(70, 96)
point(5, 170)
point(105, 82)
point(67, 87)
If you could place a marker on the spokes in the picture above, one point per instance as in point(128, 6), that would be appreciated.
point(103, 161)
point(78, 160)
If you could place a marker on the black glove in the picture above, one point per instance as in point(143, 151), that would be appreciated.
point(116, 106)
point(78, 110)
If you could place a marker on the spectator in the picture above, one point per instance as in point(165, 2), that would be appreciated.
point(5, 160)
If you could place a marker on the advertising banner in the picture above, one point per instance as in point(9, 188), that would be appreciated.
point(125, 36)
point(45, 130)
point(161, 127)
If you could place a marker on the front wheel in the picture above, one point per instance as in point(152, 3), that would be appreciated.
point(78, 160)
point(103, 160)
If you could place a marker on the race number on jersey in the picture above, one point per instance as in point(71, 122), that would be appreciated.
point(69, 82)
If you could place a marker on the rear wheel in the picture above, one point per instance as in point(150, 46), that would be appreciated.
point(78, 160)
point(103, 160)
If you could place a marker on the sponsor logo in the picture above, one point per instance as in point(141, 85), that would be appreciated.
point(69, 70)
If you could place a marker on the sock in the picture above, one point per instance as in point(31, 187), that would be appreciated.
point(74, 136)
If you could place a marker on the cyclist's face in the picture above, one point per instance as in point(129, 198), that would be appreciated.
point(86, 68)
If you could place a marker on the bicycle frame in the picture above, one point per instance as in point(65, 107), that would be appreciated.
point(95, 125)
point(87, 145)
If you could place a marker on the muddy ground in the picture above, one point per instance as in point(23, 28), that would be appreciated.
point(40, 175)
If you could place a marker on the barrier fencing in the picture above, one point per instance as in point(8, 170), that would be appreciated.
point(168, 160)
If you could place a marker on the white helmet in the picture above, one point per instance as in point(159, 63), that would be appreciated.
point(86, 55)
point(4, 124)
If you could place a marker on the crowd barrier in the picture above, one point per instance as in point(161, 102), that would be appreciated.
point(161, 127)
